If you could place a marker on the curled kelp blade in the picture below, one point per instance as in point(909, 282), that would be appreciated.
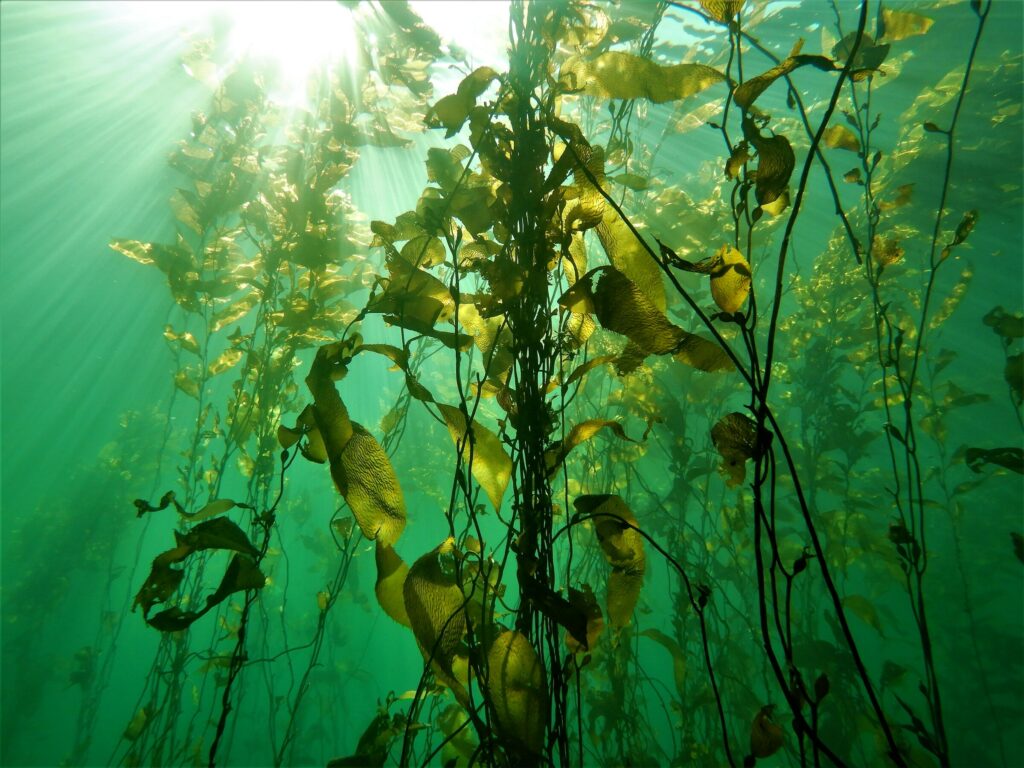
point(390, 587)
point(735, 439)
point(730, 279)
point(620, 306)
point(746, 93)
point(518, 692)
point(623, 548)
point(482, 450)
point(360, 467)
point(434, 602)
point(242, 572)
point(775, 163)
point(580, 433)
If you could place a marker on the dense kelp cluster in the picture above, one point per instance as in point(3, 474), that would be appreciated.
point(674, 445)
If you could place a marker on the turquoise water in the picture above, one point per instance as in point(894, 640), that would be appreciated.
point(95, 98)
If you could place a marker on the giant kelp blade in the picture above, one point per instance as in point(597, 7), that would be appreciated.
point(374, 744)
point(899, 25)
point(628, 255)
point(434, 603)
point(363, 474)
point(735, 438)
point(328, 412)
point(623, 548)
point(840, 137)
point(242, 574)
point(730, 279)
point(391, 575)
point(1011, 458)
point(702, 354)
point(163, 580)
point(746, 93)
point(622, 307)
point(722, 11)
point(219, 533)
point(413, 293)
point(518, 692)
point(766, 736)
point(775, 163)
point(489, 463)
point(619, 75)
point(360, 467)
point(580, 433)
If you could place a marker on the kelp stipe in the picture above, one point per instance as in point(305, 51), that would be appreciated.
point(581, 342)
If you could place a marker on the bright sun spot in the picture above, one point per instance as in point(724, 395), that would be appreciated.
point(296, 37)
point(299, 36)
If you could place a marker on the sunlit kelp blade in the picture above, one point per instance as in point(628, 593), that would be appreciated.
point(515, 679)
point(618, 75)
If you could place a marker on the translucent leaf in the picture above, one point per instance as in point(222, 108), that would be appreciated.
point(629, 256)
point(227, 359)
point(212, 509)
point(840, 137)
point(702, 354)
point(722, 10)
point(518, 691)
point(580, 433)
point(450, 113)
point(414, 295)
point(423, 251)
point(184, 340)
point(184, 210)
point(364, 476)
point(678, 658)
point(952, 301)
point(623, 548)
point(491, 467)
point(391, 575)
point(618, 75)
point(622, 307)
point(775, 163)
point(869, 56)
point(746, 93)
point(434, 603)
point(137, 724)
point(583, 369)
point(186, 380)
point(899, 25)
point(730, 279)
point(234, 312)
point(632, 181)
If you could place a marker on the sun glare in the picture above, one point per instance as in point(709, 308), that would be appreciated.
point(298, 36)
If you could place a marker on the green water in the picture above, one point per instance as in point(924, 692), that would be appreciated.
point(102, 395)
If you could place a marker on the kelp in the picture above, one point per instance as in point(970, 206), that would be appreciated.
point(522, 270)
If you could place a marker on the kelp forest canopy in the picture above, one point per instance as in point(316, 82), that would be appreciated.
point(652, 399)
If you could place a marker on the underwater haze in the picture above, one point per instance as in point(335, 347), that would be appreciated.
point(563, 383)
